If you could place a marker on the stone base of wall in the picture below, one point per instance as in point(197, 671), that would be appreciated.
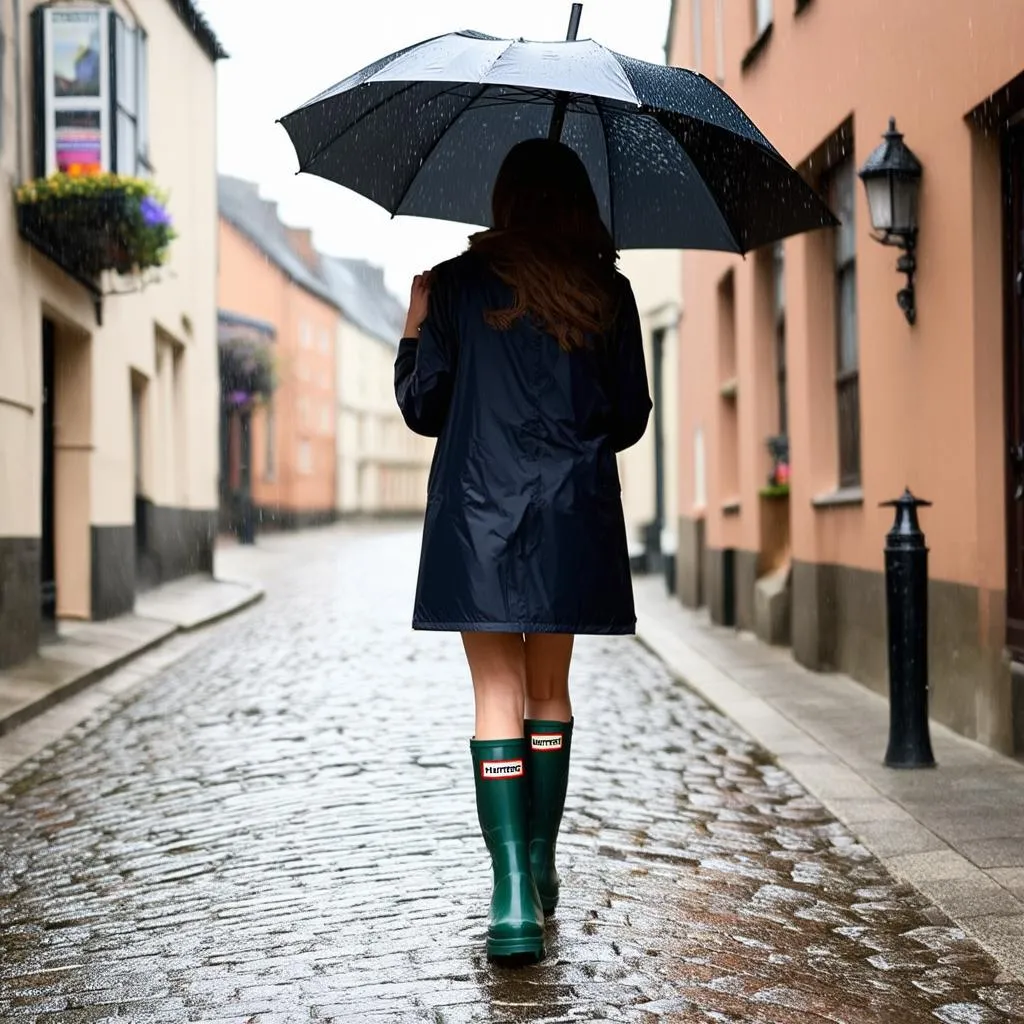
point(730, 578)
point(720, 584)
point(270, 518)
point(389, 515)
point(1017, 704)
point(839, 624)
point(179, 541)
point(20, 601)
point(746, 585)
point(112, 570)
point(690, 556)
point(772, 600)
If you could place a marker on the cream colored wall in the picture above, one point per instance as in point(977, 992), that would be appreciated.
point(182, 87)
point(931, 395)
point(382, 466)
point(656, 277)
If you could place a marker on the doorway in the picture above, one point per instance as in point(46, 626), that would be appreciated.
point(48, 553)
point(1013, 197)
point(654, 529)
point(147, 569)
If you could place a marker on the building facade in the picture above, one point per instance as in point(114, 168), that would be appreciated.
point(806, 396)
point(107, 401)
point(648, 471)
point(269, 277)
point(382, 465)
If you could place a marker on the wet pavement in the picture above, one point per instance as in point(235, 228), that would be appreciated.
point(280, 827)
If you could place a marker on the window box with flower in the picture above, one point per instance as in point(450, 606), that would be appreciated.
point(91, 223)
point(247, 372)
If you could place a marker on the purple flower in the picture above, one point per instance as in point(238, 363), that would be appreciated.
point(153, 214)
point(238, 397)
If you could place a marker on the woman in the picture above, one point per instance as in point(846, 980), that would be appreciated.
point(524, 357)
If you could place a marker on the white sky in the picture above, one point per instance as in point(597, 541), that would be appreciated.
point(279, 62)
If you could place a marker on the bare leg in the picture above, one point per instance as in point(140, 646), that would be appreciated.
point(547, 676)
point(497, 663)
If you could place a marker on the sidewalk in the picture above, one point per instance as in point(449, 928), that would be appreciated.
point(84, 652)
point(956, 833)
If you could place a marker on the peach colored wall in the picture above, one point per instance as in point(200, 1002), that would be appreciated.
point(304, 403)
point(931, 395)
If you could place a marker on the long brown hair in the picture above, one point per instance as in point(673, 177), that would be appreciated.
point(550, 245)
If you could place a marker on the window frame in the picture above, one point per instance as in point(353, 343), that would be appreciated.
point(779, 335)
point(847, 372)
point(49, 105)
point(762, 20)
point(697, 32)
point(139, 117)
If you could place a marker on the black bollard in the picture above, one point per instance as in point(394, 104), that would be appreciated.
point(906, 598)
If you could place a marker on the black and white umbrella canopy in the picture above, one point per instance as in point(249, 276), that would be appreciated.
point(674, 161)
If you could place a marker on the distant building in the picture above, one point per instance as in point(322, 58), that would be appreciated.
point(648, 470)
point(107, 401)
point(803, 347)
point(382, 465)
point(267, 278)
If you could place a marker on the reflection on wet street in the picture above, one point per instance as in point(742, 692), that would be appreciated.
point(280, 827)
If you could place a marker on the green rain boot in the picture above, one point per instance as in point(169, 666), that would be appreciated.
point(548, 776)
point(516, 927)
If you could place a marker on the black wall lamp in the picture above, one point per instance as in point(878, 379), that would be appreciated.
point(892, 180)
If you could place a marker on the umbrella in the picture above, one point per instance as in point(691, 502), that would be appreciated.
point(674, 161)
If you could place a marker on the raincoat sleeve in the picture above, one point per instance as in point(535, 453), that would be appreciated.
point(631, 396)
point(425, 369)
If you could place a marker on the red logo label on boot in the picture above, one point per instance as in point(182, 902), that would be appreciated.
point(546, 741)
point(501, 769)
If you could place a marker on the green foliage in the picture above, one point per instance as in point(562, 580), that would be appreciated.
point(118, 223)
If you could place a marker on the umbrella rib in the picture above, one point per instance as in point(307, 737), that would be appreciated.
point(323, 147)
point(608, 164)
point(430, 150)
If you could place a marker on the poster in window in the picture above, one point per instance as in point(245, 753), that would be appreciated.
point(78, 140)
point(75, 50)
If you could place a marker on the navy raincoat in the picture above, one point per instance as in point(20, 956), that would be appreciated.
point(524, 530)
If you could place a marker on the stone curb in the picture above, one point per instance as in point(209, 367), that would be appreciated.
point(90, 676)
point(75, 685)
point(908, 850)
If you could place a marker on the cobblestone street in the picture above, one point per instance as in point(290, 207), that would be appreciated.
point(280, 827)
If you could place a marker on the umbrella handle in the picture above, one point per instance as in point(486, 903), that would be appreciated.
point(562, 100)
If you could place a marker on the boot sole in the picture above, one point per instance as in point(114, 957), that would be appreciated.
point(516, 952)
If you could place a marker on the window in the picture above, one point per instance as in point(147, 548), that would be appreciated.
point(842, 194)
point(303, 412)
point(129, 88)
point(269, 452)
point(305, 458)
point(91, 97)
point(779, 309)
point(305, 334)
point(763, 15)
point(325, 340)
point(325, 419)
point(698, 33)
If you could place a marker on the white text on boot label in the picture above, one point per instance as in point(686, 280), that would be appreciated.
point(546, 741)
point(501, 769)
